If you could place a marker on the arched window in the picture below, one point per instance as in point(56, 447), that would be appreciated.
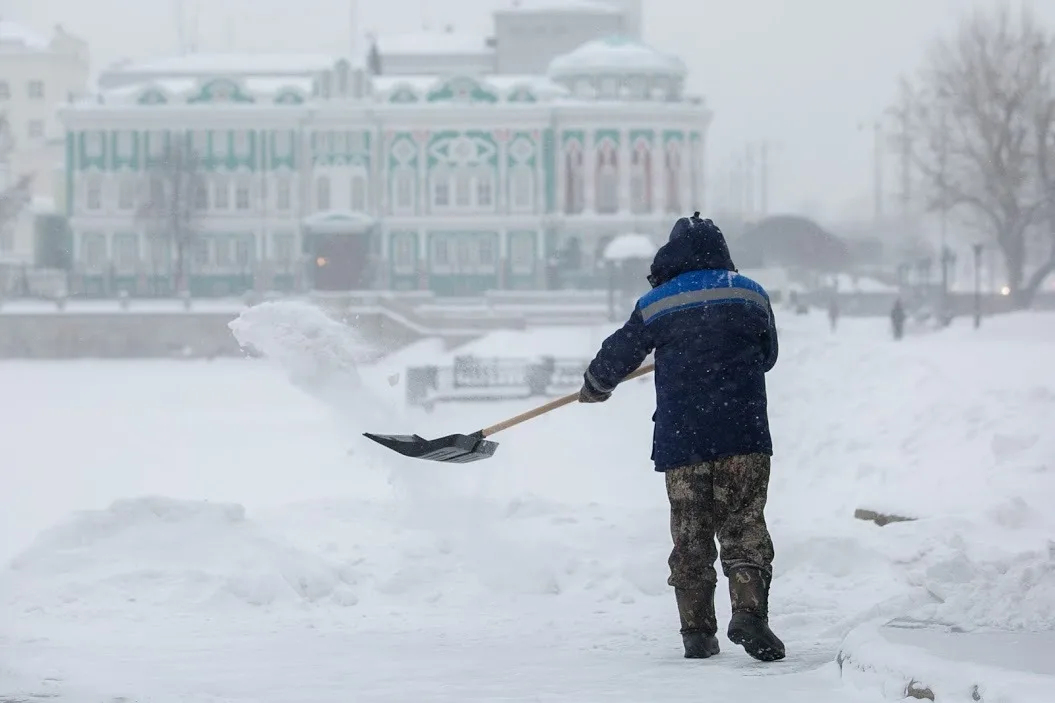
point(574, 187)
point(485, 188)
point(441, 188)
point(673, 169)
point(641, 178)
point(404, 181)
point(607, 180)
point(521, 188)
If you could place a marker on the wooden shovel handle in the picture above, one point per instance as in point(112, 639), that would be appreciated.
point(553, 405)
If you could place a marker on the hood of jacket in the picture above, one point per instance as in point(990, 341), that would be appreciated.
point(694, 245)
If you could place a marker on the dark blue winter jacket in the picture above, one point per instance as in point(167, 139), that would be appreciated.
point(714, 337)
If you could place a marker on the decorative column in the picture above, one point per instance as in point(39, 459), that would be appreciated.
point(503, 259)
point(380, 182)
point(540, 188)
point(502, 185)
point(688, 198)
point(589, 175)
point(559, 158)
point(422, 191)
point(624, 171)
point(421, 259)
point(659, 173)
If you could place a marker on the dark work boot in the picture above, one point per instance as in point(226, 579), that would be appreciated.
point(698, 623)
point(749, 626)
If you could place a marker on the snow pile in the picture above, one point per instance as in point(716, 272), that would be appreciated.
point(1013, 590)
point(951, 429)
point(630, 246)
point(169, 553)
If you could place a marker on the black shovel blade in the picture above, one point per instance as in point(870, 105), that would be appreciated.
point(452, 449)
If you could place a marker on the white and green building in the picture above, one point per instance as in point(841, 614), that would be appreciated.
point(327, 174)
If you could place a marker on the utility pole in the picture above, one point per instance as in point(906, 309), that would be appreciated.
point(877, 170)
point(763, 199)
point(901, 140)
point(749, 180)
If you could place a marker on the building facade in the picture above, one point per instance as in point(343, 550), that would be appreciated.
point(37, 74)
point(313, 171)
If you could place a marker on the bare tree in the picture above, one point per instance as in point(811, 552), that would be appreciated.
point(174, 200)
point(984, 112)
point(14, 196)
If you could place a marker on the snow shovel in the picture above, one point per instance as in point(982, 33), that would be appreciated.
point(463, 448)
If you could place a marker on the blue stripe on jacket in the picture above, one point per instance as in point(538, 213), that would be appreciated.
point(701, 288)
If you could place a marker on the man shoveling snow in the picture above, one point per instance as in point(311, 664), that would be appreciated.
point(714, 339)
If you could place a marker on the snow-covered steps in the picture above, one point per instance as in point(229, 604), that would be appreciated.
point(906, 659)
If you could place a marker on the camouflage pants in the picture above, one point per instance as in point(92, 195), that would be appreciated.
point(726, 499)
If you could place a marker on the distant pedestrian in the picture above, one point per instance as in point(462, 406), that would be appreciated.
point(897, 319)
point(833, 313)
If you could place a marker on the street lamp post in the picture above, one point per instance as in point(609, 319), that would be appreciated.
point(948, 260)
point(977, 285)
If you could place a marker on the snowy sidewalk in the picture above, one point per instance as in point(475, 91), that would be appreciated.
point(927, 661)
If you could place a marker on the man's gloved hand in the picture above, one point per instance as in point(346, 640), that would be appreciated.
point(589, 394)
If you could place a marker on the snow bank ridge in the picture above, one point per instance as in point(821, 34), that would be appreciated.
point(160, 551)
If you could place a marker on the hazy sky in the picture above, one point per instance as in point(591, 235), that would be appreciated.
point(804, 74)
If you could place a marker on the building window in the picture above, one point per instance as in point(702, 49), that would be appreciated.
point(404, 253)
point(125, 144)
point(126, 194)
point(219, 145)
point(93, 197)
point(485, 192)
point(441, 194)
point(322, 193)
point(156, 142)
point(607, 195)
point(36, 90)
point(242, 144)
point(283, 144)
point(462, 185)
point(283, 245)
point(440, 253)
point(641, 180)
point(159, 252)
point(5, 90)
point(93, 250)
point(522, 253)
point(521, 185)
point(156, 193)
point(242, 197)
point(94, 144)
point(283, 194)
point(359, 193)
point(199, 142)
point(201, 252)
point(405, 179)
point(36, 129)
point(126, 252)
point(574, 183)
point(464, 253)
point(201, 196)
point(486, 252)
point(673, 177)
point(243, 251)
point(221, 194)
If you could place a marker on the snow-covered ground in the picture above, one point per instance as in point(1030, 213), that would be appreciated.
point(220, 531)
